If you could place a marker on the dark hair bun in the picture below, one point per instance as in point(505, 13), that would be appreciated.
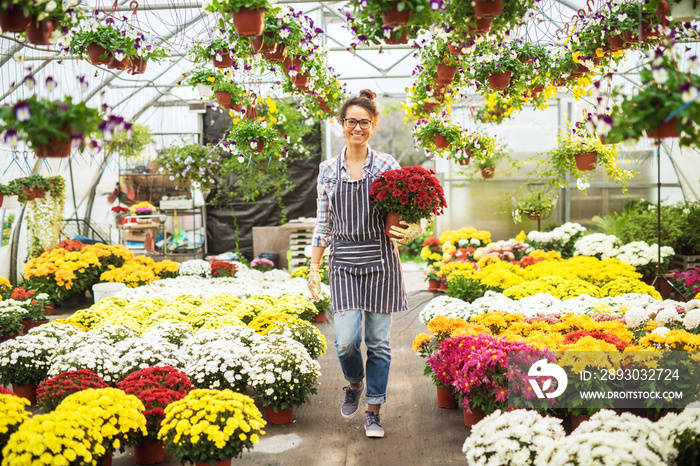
point(368, 94)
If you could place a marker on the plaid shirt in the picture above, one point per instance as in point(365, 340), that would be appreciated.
point(327, 175)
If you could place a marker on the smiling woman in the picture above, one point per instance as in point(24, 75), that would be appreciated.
point(365, 269)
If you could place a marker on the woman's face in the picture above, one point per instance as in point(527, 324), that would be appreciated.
point(358, 135)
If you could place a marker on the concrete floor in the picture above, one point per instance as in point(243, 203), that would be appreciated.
point(417, 431)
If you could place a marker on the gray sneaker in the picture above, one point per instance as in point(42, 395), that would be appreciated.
point(372, 426)
point(351, 403)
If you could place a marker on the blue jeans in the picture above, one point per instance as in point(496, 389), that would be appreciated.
point(348, 342)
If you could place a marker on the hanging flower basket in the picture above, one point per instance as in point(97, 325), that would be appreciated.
point(137, 66)
point(488, 8)
point(536, 91)
point(440, 141)
point(55, 148)
point(115, 64)
point(580, 70)
point(498, 81)
point(487, 173)
point(39, 32)
point(586, 161)
point(31, 194)
point(666, 129)
point(616, 43)
point(205, 90)
point(225, 61)
point(394, 18)
point(291, 61)
point(465, 161)
point(94, 53)
point(392, 40)
point(483, 25)
point(278, 55)
point(14, 20)
point(249, 23)
point(431, 106)
point(301, 81)
point(455, 50)
point(223, 98)
point(259, 44)
point(445, 73)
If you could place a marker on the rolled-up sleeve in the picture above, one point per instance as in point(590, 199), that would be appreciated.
point(322, 232)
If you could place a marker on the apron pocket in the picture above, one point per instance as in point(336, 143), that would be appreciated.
point(357, 254)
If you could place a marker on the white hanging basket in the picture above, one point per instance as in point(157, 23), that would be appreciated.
point(205, 91)
point(686, 10)
point(8, 202)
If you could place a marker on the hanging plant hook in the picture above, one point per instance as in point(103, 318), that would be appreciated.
point(135, 5)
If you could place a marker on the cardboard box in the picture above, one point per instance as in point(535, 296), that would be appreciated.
point(135, 235)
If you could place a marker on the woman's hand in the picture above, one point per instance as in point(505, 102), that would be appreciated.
point(408, 233)
point(314, 282)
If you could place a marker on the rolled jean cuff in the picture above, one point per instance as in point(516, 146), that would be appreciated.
point(351, 380)
point(375, 400)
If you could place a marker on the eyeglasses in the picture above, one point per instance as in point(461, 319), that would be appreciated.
point(351, 123)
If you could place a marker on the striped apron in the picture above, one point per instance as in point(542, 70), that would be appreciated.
point(365, 269)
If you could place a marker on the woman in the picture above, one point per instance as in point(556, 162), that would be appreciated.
point(364, 266)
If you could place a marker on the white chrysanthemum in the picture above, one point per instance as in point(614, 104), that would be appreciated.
point(514, 437)
point(610, 449)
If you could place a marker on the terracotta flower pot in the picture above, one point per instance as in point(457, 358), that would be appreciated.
point(39, 32)
point(9, 336)
point(223, 98)
point(616, 43)
point(440, 141)
point(667, 129)
point(219, 463)
point(259, 44)
point(94, 53)
point(483, 25)
point(149, 452)
point(476, 415)
point(455, 50)
point(55, 148)
point(115, 64)
point(33, 193)
point(282, 416)
point(431, 106)
point(536, 91)
point(225, 61)
point(443, 287)
point(392, 40)
point(487, 173)
point(433, 285)
point(576, 420)
point(586, 161)
point(137, 66)
point(394, 17)
point(249, 23)
point(300, 81)
point(48, 309)
point(445, 73)
point(580, 70)
point(445, 398)
point(320, 317)
point(14, 20)
point(278, 55)
point(464, 162)
point(498, 81)
point(27, 391)
point(631, 38)
point(392, 219)
point(488, 8)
